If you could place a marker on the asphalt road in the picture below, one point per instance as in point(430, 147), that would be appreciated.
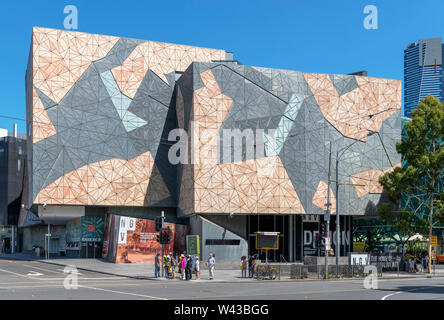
point(40, 281)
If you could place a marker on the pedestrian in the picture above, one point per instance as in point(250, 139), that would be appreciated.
point(414, 264)
point(210, 264)
point(165, 265)
point(250, 266)
point(410, 264)
point(157, 264)
point(173, 266)
point(197, 268)
point(188, 268)
point(183, 264)
point(179, 266)
point(243, 266)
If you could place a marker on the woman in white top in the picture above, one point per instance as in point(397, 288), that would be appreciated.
point(197, 268)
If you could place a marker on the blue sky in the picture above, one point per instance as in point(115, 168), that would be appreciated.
point(322, 36)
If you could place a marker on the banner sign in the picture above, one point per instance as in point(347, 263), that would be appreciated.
point(193, 244)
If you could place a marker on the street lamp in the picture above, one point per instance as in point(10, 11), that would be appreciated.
point(339, 154)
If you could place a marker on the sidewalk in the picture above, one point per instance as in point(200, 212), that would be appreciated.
point(146, 270)
point(129, 270)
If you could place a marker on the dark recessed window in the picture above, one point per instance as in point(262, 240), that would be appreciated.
point(222, 242)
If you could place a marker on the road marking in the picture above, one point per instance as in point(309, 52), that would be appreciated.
point(34, 274)
point(399, 292)
point(76, 272)
point(17, 274)
point(121, 292)
point(41, 269)
point(274, 294)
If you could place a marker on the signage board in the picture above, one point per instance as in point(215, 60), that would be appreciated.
point(358, 246)
point(267, 240)
point(193, 246)
point(434, 240)
point(359, 259)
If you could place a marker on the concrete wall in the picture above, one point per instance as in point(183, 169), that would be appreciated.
point(227, 256)
point(36, 236)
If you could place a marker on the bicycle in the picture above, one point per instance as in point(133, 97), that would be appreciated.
point(266, 273)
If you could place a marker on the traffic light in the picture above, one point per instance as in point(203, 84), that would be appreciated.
point(158, 222)
point(323, 229)
point(158, 238)
point(164, 235)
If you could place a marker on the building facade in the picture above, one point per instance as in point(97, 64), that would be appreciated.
point(121, 127)
point(423, 72)
point(12, 168)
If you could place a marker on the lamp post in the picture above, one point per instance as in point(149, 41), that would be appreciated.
point(339, 154)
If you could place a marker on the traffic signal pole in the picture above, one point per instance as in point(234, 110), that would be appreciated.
point(327, 216)
point(163, 246)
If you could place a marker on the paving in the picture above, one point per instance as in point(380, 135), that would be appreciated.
point(146, 270)
point(21, 279)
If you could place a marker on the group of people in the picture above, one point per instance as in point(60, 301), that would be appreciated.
point(185, 266)
point(249, 262)
point(422, 262)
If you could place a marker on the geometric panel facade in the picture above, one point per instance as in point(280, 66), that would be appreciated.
point(299, 115)
point(97, 109)
point(100, 108)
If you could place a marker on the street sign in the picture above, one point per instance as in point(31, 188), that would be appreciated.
point(267, 240)
point(327, 243)
point(434, 240)
point(358, 246)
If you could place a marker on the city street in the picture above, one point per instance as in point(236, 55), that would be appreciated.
point(35, 280)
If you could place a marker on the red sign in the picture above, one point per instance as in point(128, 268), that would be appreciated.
point(91, 228)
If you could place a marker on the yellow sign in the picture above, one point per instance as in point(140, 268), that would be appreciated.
point(358, 246)
point(434, 240)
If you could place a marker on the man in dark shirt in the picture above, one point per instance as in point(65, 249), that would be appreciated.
point(157, 265)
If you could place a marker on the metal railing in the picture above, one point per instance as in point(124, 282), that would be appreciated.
point(333, 272)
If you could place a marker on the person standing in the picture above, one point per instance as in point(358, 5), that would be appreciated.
point(157, 264)
point(188, 268)
point(243, 266)
point(250, 266)
point(165, 265)
point(197, 268)
point(172, 266)
point(211, 263)
point(183, 264)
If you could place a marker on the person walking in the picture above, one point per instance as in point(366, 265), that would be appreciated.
point(243, 266)
point(197, 268)
point(188, 268)
point(211, 263)
point(157, 264)
point(183, 263)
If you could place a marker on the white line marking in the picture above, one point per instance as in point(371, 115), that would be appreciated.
point(34, 274)
point(17, 274)
point(399, 292)
point(41, 269)
point(74, 272)
point(121, 292)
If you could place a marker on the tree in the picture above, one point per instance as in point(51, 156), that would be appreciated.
point(424, 154)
